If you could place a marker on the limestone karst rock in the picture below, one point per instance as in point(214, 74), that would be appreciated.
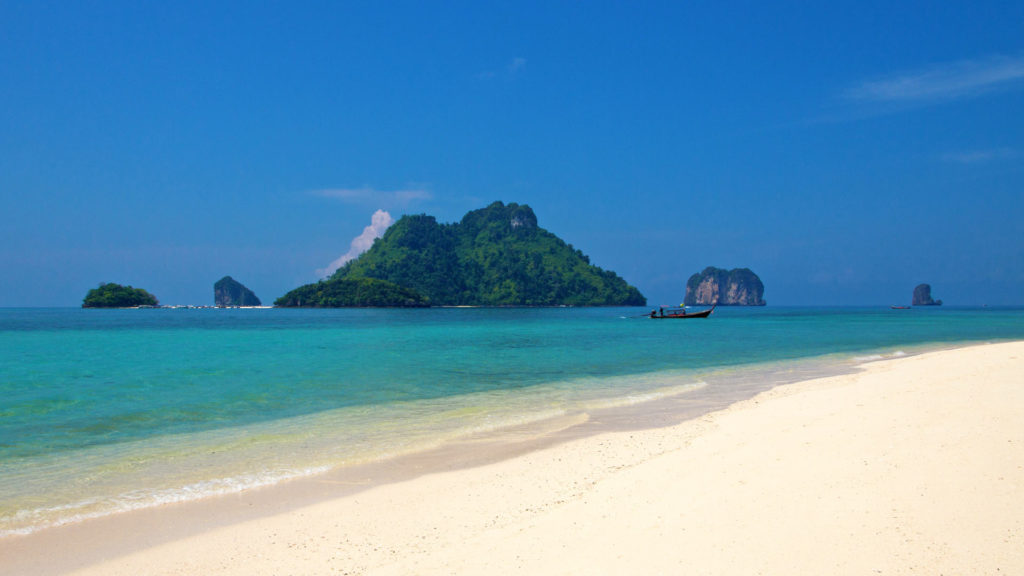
point(229, 292)
point(736, 287)
point(923, 296)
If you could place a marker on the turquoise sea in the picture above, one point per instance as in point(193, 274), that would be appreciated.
point(103, 411)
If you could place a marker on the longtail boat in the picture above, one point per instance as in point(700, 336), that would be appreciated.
point(662, 313)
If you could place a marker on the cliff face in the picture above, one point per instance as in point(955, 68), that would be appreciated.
point(923, 296)
point(737, 287)
point(229, 292)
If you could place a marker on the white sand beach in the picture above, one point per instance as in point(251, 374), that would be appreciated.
point(910, 466)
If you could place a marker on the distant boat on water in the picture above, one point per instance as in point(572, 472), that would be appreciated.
point(900, 307)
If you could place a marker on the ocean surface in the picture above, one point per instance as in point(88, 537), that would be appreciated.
point(103, 411)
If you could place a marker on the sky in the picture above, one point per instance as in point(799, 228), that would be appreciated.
point(843, 151)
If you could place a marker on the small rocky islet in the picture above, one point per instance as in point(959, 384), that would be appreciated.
point(230, 293)
point(112, 295)
point(717, 286)
point(923, 296)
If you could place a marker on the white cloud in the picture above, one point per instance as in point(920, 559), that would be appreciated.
point(513, 67)
point(946, 81)
point(380, 222)
point(516, 65)
point(979, 156)
point(372, 196)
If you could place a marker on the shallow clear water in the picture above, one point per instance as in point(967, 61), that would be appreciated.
point(108, 410)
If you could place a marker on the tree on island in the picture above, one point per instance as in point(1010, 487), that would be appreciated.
point(112, 295)
point(352, 293)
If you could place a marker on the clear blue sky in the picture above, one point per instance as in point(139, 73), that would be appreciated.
point(843, 151)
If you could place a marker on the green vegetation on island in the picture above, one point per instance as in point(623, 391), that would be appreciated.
point(112, 295)
point(352, 292)
point(496, 256)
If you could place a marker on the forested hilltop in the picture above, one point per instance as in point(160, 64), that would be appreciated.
point(352, 293)
point(496, 256)
point(111, 295)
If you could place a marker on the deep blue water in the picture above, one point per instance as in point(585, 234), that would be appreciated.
point(135, 401)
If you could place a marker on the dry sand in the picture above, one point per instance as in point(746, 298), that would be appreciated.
point(911, 466)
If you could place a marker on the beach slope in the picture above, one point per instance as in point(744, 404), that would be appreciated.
point(910, 466)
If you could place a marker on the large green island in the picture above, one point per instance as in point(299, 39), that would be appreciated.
point(495, 256)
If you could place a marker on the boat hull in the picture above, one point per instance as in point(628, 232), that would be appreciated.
point(682, 316)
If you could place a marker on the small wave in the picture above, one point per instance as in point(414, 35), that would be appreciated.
point(876, 357)
point(52, 516)
point(643, 397)
point(510, 421)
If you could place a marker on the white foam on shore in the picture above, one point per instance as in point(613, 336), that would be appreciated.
point(644, 397)
point(53, 516)
point(876, 357)
point(490, 425)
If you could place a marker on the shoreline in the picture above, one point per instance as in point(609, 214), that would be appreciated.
point(703, 391)
point(598, 460)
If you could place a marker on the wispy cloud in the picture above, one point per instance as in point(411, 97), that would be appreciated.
point(511, 69)
point(372, 196)
point(515, 65)
point(981, 156)
point(952, 80)
point(380, 222)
